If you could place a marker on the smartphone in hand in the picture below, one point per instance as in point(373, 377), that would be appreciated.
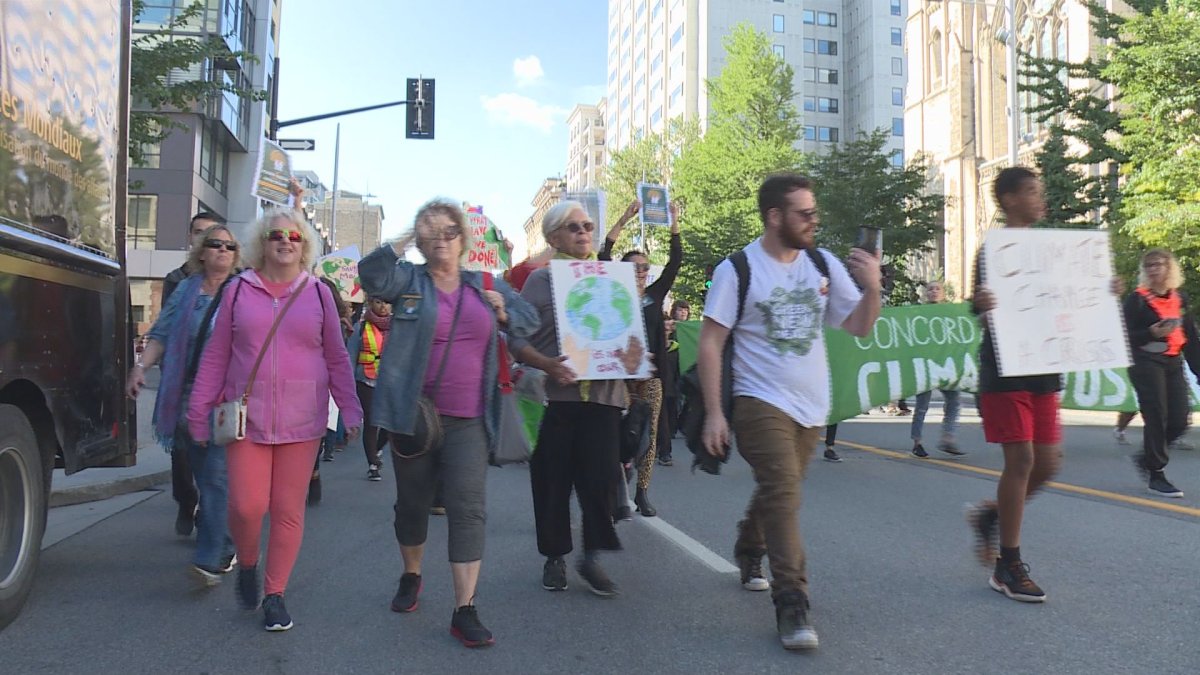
point(870, 239)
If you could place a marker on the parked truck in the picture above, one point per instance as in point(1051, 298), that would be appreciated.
point(65, 337)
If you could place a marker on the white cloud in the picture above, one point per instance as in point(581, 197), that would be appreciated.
point(517, 110)
point(528, 71)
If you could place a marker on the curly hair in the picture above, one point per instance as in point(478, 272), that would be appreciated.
point(253, 254)
point(1174, 271)
point(195, 264)
point(444, 207)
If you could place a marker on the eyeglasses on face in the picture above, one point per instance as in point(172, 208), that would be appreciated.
point(293, 236)
point(807, 215)
point(641, 268)
point(1151, 264)
point(217, 244)
point(449, 234)
point(575, 228)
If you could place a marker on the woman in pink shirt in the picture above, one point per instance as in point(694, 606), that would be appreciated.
point(306, 359)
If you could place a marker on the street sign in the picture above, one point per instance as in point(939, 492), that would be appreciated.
point(298, 144)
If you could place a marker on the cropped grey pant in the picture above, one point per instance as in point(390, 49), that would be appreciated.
point(460, 465)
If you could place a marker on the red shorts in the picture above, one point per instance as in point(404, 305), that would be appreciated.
point(1020, 417)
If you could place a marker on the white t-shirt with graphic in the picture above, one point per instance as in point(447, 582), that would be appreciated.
point(779, 345)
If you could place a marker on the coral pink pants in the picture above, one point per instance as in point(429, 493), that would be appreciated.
point(262, 479)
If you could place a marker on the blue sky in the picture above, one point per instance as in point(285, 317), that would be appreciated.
point(507, 75)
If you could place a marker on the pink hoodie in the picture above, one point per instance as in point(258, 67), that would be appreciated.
point(304, 363)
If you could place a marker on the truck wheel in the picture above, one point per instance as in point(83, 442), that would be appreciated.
point(22, 510)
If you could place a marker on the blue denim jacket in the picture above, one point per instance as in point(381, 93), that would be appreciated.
point(405, 358)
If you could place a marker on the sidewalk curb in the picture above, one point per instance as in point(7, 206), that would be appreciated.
point(94, 493)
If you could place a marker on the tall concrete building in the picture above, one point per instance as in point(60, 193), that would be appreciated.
point(208, 165)
point(358, 223)
point(848, 57)
point(548, 195)
point(957, 104)
point(586, 153)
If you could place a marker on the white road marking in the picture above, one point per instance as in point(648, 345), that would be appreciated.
point(683, 541)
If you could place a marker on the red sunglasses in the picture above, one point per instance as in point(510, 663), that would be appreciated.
point(293, 236)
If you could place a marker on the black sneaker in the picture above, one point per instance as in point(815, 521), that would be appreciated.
point(919, 451)
point(831, 454)
point(750, 565)
point(791, 620)
point(1012, 579)
point(465, 626)
point(185, 521)
point(666, 461)
point(1160, 486)
point(597, 581)
point(314, 491)
point(554, 573)
point(373, 474)
point(275, 616)
point(984, 522)
point(227, 563)
point(950, 448)
point(623, 514)
point(406, 596)
point(247, 588)
point(327, 455)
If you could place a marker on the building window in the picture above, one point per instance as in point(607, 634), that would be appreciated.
point(897, 65)
point(898, 127)
point(827, 19)
point(777, 23)
point(827, 76)
point(827, 105)
point(778, 49)
point(657, 62)
point(151, 156)
point(810, 74)
point(895, 7)
point(625, 33)
point(827, 47)
point(639, 61)
point(897, 96)
point(214, 158)
point(827, 134)
point(658, 4)
point(810, 133)
point(810, 104)
point(676, 36)
point(810, 17)
point(810, 46)
point(898, 159)
point(656, 116)
point(676, 95)
point(897, 37)
point(935, 57)
point(142, 229)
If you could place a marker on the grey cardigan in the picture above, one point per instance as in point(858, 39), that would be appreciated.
point(405, 358)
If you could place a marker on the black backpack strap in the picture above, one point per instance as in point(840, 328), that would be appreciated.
point(205, 329)
point(818, 259)
point(741, 265)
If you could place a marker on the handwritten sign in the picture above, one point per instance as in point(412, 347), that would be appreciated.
point(272, 174)
point(1055, 311)
point(598, 314)
point(487, 249)
point(654, 198)
point(341, 267)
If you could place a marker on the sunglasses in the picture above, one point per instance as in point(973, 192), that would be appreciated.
point(641, 267)
point(449, 234)
point(293, 236)
point(218, 244)
point(576, 228)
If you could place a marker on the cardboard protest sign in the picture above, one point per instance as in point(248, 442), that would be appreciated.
point(273, 173)
point(341, 267)
point(598, 314)
point(1055, 311)
point(487, 250)
point(655, 204)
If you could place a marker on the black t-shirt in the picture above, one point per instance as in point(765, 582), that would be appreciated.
point(989, 371)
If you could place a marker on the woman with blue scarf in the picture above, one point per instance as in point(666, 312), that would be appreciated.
point(175, 344)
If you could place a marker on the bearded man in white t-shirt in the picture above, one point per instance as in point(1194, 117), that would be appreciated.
point(780, 380)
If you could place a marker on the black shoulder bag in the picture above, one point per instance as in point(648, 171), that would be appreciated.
point(427, 430)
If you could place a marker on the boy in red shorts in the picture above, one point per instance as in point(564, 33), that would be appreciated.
point(1019, 413)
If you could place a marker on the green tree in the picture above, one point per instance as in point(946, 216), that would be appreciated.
point(856, 185)
point(154, 94)
point(1157, 68)
point(753, 128)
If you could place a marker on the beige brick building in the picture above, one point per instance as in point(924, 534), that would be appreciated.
point(359, 223)
point(547, 195)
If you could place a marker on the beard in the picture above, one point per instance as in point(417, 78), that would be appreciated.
point(796, 240)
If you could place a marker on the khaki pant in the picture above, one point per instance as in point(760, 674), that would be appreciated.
point(778, 450)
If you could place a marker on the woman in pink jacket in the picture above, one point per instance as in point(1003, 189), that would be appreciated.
point(270, 469)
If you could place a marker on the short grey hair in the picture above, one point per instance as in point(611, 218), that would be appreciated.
point(556, 217)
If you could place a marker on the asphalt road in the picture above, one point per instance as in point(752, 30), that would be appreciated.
point(894, 587)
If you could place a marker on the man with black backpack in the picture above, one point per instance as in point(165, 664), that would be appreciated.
point(774, 299)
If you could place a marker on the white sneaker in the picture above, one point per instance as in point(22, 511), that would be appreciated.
point(1120, 436)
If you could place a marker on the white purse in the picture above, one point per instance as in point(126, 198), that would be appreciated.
point(229, 418)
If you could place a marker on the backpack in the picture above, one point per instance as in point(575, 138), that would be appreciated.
point(691, 420)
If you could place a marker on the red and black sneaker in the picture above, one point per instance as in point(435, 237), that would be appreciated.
point(1012, 579)
point(406, 596)
point(983, 519)
point(466, 626)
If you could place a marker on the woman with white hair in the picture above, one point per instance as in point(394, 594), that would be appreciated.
point(1161, 337)
point(286, 379)
point(577, 445)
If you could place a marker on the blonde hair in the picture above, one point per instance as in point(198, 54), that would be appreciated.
point(443, 207)
point(195, 264)
point(254, 248)
point(1174, 271)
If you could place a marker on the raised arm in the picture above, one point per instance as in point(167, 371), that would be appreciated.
point(384, 274)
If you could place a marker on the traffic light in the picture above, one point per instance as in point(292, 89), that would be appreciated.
point(418, 109)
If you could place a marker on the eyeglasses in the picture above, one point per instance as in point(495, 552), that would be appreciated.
point(807, 215)
point(1153, 264)
point(449, 234)
point(575, 228)
point(217, 244)
point(293, 236)
point(641, 267)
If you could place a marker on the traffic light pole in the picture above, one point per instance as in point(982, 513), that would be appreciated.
point(276, 125)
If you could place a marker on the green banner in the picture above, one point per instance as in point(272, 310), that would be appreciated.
point(917, 348)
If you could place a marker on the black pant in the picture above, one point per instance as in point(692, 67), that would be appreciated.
point(830, 435)
point(373, 440)
point(576, 448)
point(668, 423)
point(1162, 394)
point(183, 485)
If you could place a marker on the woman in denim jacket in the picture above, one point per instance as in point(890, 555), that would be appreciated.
point(442, 344)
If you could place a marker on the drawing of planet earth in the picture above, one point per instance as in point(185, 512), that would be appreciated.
point(599, 309)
